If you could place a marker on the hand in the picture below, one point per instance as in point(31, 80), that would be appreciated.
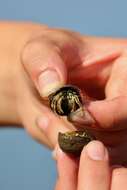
point(34, 61)
point(55, 57)
point(105, 80)
point(91, 173)
point(96, 61)
point(30, 53)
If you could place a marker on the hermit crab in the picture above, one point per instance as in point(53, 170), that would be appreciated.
point(64, 102)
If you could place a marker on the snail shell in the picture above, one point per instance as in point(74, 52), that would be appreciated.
point(74, 141)
point(65, 100)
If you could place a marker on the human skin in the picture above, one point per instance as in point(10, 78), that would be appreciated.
point(90, 172)
point(35, 60)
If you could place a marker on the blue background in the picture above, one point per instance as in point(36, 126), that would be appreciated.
point(24, 164)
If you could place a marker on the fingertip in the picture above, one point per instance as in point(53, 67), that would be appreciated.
point(44, 65)
point(49, 81)
point(95, 150)
point(43, 122)
point(81, 117)
point(57, 153)
point(51, 76)
point(94, 165)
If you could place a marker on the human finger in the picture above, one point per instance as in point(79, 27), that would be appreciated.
point(42, 61)
point(37, 119)
point(119, 179)
point(67, 171)
point(110, 114)
point(94, 173)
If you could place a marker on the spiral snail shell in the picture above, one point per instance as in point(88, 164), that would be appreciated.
point(63, 102)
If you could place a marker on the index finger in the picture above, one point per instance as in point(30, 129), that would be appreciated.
point(67, 172)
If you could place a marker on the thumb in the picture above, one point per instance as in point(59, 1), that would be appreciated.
point(107, 114)
point(93, 160)
point(44, 65)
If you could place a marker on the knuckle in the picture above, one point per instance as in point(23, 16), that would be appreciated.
point(31, 131)
point(32, 56)
point(30, 50)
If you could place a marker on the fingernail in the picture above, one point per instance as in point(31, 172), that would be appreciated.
point(57, 151)
point(54, 153)
point(42, 122)
point(81, 117)
point(48, 82)
point(96, 151)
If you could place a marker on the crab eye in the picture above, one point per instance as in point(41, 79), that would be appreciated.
point(65, 100)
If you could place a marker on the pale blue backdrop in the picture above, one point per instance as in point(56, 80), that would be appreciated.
point(24, 164)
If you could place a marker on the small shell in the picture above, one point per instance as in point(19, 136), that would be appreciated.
point(74, 141)
point(65, 100)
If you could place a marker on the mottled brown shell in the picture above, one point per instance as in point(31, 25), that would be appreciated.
point(74, 141)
